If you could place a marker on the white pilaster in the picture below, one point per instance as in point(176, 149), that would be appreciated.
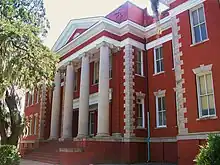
point(54, 128)
point(68, 103)
point(103, 98)
point(84, 98)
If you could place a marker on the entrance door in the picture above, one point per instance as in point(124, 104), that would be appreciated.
point(92, 123)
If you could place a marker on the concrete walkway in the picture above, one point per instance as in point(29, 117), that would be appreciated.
point(30, 162)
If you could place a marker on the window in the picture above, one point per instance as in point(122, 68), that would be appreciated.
point(158, 60)
point(205, 95)
point(96, 73)
point(76, 81)
point(35, 125)
point(198, 24)
point(30, 126)
point(161, 111)
point(110, 66)
point(139, 63)
point(91, 123)
point(140, 113)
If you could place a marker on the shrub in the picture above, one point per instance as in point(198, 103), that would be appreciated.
point(210, 153)
point(9, 155)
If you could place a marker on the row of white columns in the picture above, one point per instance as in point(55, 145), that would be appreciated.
point(103, 98)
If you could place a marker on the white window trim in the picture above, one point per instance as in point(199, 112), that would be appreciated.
point(93, 81)
point(203, 70)
point(158, 94)
point(28, 99)
point(155, 64)
point(142, 63)
point(91, 134)
point(31, 125)
point(38, 95)
point(32, 98)
point(191, 23)
point(141, 96)
point(35, 123)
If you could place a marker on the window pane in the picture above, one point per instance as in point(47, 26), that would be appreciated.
point(205, 112)
point(201, 15)
point(158, 66)
point(164, 118)
point(159, 104)
point(139, 56)
point(139, 122)
point(163, 103)
point(195, 18)
point(211, 101)
point(202, 85)
point(138, 68)
point(161, 65)
point(212, 111)
point(197, 34)
point(204, 103)
point(161, 52)
point(157, 54)
point(203, 31)
point(160, 119)
point(209, 83)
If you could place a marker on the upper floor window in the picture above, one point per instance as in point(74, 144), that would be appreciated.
point(139, 63)
point(38, 95)
point(96, 73)
point(205, 95)
point(140, 113)
point(158, 60)
point(110, 66)
point(198, 24)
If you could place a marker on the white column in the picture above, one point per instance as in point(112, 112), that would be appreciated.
point(55, 114)
point(103, 98)
point(84, 98)
point(68, 103)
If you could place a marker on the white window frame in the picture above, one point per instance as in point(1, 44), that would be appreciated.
point(155, 60)
point(140, 62)
point(38, 95)
point(200, 71)
point(90, 124)
point(31, 125)
point(160, 94)
point(199, 24)
point(35, 124)
point(96, 63)
point(32, 97)
point(143, 113)
point(28, 99)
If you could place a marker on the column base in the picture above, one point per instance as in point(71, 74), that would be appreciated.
point(53, 138)
point(117, 135)
point(100, 135)
point(82, 136)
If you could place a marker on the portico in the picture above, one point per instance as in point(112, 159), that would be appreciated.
point(83, 102)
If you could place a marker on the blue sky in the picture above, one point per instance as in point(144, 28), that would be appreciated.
point(60, 12)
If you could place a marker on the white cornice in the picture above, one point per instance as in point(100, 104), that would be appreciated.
point(185, 6)
point(159, 41)
point(92, 45)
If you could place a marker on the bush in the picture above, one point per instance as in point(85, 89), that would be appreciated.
point(9, 155)
point(210, 153)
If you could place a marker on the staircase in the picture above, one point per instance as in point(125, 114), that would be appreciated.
point(48, 152)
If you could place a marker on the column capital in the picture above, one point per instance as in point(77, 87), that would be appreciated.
point(104, 44)
point(85, 54)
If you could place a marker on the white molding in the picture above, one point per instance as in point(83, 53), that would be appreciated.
point(98, 41)
point(159, 41)
point(160, 93)
point(163, 139)
point(196, 136)
point(185, 6)
point(202, 69)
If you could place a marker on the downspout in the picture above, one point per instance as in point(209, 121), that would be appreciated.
point(148, 107)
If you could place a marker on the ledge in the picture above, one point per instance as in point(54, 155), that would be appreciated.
point(162, 127)
point(207, 118)
point(155, 74)
point(198, 43)
point(141, 128)
point(140, 75)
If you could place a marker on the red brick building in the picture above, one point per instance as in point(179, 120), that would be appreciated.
point(123, 93)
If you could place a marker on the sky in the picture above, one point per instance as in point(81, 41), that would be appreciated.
point(60, 12)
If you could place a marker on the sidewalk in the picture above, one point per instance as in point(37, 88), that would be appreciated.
point(30, 162)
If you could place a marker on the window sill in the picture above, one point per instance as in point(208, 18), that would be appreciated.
point(160, 127)
point(141, 128)
point(139, 75)
point(155, 74)
point(198, 43)
point(207, 118)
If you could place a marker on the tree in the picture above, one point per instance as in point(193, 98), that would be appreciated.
point(209, 153)
point(24, 61)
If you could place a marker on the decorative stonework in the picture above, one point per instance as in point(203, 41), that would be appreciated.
point(129, 92)
point(202, 69)
point(42, 115)
point(179, 72)
point(160, 93)
point(140, 95)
